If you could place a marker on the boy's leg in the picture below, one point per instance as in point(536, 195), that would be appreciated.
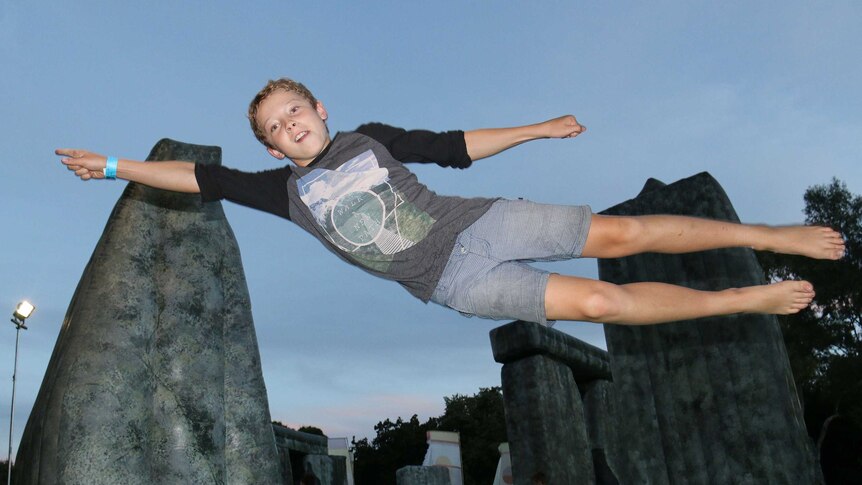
point(618, 236)
point(573, 298)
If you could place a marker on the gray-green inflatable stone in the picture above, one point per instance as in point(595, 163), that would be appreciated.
point(422, 475)
point(546, 420)
point(155, 376)
point(329, 470)
point(705, 401)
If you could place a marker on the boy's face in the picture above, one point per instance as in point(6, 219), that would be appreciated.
point(293, 126)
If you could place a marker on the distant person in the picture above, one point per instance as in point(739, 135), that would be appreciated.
point(353, 193)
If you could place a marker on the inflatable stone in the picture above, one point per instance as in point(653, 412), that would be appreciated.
point(155, 376)
point(705, 401)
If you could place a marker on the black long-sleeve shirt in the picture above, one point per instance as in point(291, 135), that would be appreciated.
point(265, 190)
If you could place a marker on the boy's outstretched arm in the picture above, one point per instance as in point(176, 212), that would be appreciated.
point(175, 176)
point(491, 141)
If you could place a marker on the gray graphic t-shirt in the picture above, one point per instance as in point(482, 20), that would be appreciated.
point(372, 212)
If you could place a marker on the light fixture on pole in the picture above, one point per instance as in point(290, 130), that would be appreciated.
point(22, 312)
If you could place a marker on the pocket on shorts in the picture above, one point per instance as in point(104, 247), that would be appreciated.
point(478, 246)
point(450, 271)
point(465, 245)
point(469, 263)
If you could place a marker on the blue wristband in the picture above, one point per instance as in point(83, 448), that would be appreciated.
point(111, 168)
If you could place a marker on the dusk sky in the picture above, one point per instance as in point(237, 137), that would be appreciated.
point(763, 95)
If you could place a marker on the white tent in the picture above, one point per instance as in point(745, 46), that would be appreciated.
point(444, 449)
point(339, 447)
point(504, 467)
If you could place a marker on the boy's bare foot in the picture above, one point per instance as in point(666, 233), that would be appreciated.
point(813, 241)
point(781, 298)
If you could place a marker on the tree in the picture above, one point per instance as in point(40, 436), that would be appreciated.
point(311, 430)
point(4, 470)
point(397, 444)
point(824, 342)
point(479, 419)
point(481, 422)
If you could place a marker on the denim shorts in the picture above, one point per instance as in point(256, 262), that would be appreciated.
point(487, 274)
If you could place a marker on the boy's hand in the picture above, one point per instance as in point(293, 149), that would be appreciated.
point(563, 127)
point(86, 165)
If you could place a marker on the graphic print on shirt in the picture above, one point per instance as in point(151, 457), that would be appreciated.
point(360, 212)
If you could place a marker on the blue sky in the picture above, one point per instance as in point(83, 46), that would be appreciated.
point(764, 95)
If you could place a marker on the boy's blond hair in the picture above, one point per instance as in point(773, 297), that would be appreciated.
point(285, 84)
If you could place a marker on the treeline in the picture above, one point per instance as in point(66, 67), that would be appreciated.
point(479, 419)
point(824, 342)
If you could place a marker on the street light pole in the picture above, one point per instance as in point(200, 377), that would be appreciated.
point(22, 312)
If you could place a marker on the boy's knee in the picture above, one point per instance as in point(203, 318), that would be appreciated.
point(571, 298)
point(599, 306)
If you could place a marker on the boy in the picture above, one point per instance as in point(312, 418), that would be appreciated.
point(353, 193)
